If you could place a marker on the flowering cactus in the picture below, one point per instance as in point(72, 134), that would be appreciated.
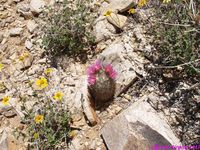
point(101, 81)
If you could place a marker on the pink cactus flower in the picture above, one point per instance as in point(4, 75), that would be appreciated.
point(90, 70)
point(111, 72)
point(94, 68)
point(91, 80)
point(97, 65)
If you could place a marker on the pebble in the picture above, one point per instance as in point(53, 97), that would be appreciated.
point(1, 37)
point(37, 6)
point(31, 25)
point(16, 31)
point(128, 97)
point(28, 44)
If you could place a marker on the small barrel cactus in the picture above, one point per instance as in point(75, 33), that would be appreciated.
point(101, 81)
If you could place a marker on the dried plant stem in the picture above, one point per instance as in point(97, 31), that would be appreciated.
point(171, 24)
point(171, 67)
point(194, 86)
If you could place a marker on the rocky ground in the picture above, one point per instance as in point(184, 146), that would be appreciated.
point(20, 32)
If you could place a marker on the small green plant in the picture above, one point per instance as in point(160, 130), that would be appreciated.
point(68, 29)
point(177, 36)
point(48, 120)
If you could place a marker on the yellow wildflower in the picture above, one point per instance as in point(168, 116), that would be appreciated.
point(141, 3)
point(36, 135)
point(166, 1)
point(108, 13)
point(1, 67)
point(42, 82)
point(72, 134)
point(5, 100)
point(26, 54)
point(48, 71)
point(131, 11)
point(23, 57)
point(39, 118)
point(58, 96)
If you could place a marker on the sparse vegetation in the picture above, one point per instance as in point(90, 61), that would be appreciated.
point(168, 31)
point(68, 29)
point(176, 33)
point(48, 120)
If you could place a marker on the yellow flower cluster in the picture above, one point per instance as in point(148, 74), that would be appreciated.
point(1, 67)
point(141, 3)
point(36, 135)
point(42, 82)
point(39, 118)
point(48, 71)
point(131, 11)
point(5, 100)
point(72, 134)
point(58, 96)
point(166, 1)
point(108, 13)
point(23, 57)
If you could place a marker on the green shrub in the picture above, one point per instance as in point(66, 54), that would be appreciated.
point(177, 36)
point(47, 117)
point(68, 29)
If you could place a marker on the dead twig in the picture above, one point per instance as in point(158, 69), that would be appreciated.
point(177, 66)
point(193, 86)
point(171, 24)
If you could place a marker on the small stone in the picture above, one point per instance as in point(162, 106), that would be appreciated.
point(117, 20)
point(118, 110)
point(4, 108)
point(86, 143)
point(90, 112)
point(28, 44)
point(16, 31)
point(88, 107)
point(9, 114)
point(99, 143)
point(37, 6)
point(34, 69)
point(92, 145)
point(31, 25)
point(4, 41)
point(103, 29)
point(3, 47)
point(1, 37)
point(128, 97)
point(24, 10)
point(4, 141)
point(26, 63)
point(76, 144)
point(2, 87)
point(4, 15)
point(42, 61)
point(17, 1)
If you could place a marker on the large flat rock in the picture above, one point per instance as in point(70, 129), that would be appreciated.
point(114, 54)
point(139, 127)
point(118, 5)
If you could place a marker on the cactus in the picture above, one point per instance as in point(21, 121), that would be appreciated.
point(101, 82)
